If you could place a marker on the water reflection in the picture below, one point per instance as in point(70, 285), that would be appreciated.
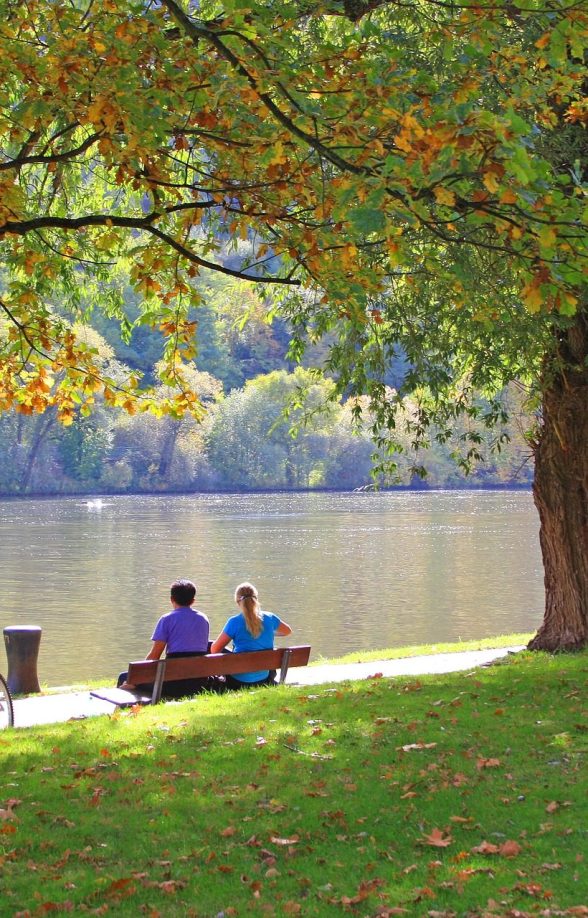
point(346, 570)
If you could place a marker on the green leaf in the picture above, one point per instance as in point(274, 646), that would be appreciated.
point(367, 220)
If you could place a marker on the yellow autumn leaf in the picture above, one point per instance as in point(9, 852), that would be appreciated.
point(279, 155)
point(547, 237)
point(532, 297)
point(444, 195)
point(490, 182)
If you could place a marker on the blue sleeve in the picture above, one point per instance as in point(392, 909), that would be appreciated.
point(231, 627)
point(275, 620)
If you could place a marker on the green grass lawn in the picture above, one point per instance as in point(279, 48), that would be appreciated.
point(454, 795)
point(360, 656)
point(418, 650)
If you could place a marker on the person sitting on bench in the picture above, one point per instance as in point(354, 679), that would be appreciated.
point(183, 632)
point(250, 629)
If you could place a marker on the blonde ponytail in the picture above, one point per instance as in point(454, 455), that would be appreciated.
point(246, 594)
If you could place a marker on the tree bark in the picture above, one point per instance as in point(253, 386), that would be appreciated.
point(560, 491)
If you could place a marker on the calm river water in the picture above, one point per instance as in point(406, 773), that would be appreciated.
point(347, 571)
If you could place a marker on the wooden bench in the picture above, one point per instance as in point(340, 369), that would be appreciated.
point(160, 672)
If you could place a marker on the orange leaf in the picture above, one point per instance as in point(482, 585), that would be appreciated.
point(509, 849)
point(485, 848)
point(437, 838)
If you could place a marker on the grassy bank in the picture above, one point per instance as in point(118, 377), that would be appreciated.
point(363, 656)
point(453, 795)
point(418, 650)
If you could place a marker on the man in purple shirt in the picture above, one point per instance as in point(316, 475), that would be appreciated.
point(183, 632)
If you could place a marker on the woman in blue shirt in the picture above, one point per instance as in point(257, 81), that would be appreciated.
point(250, 629)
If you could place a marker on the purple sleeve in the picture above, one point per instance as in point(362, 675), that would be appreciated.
point(160, 632)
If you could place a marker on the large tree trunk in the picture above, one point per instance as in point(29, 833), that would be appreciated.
point(561, 492)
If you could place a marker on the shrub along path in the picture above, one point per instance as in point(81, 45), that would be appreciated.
point(65, 706)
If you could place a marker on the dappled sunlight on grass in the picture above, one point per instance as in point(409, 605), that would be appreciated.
point(442, 793)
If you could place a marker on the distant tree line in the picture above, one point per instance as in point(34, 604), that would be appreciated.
point(268, 423)
point(244, 442)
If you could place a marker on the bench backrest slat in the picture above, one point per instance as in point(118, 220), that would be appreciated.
point(142, 672)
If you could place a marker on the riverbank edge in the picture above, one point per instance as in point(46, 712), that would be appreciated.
point(359, 656)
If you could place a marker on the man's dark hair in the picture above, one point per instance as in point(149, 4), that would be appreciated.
point(183, 592)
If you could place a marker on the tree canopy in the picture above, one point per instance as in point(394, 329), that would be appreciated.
point(408, 176)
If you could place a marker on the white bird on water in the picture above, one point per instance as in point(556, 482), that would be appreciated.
point(95, 504)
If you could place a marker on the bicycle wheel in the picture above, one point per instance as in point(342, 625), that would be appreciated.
point(6, 706)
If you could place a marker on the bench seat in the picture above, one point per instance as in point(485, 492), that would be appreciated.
point(159, 672)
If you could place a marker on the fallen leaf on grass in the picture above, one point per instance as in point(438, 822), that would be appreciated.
point(506, 849)
point(123, 884)
point(459, 779)
point(365, 890)
point(509, 849)
point(535, 890)
point(487, 763)
point(230, 830)
point(437, 838)
point(410, 746)
point(97, 794)
point(285, 841)
point(425, 892)
point(171, 886)
point(8, 812)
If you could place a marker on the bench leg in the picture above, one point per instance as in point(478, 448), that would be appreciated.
point(285, 664)
point(158, 684)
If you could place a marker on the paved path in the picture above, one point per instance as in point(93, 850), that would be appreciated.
point(47, 709)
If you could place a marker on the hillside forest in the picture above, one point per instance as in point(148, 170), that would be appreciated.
point(271, 421)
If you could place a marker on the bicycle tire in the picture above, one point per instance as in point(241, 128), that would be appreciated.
point(6, 705)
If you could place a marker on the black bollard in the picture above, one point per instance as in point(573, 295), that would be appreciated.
point(22, 649)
